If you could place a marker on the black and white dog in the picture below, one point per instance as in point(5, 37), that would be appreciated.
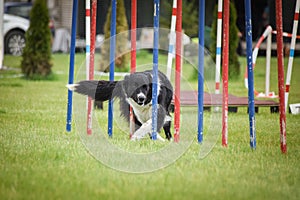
point(135, 91)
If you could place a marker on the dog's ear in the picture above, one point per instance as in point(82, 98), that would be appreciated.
point(128, 85)
point(126, 82)
point(150, 79)
point(149, 94)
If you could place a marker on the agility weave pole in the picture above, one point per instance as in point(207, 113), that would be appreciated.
point(266, 33)
point(71, 65)
point(87, 62)
point(279, 39)
point(178, 63)
point(251, 104)
point(268, 66)
point(225, 62)
point(218, 46)
point(172, 39)
point(201, 24)
point(292, 52)
point(133, 56)
point(112, 61)
point(285, 34)
point(90, 29)
point(155, 68)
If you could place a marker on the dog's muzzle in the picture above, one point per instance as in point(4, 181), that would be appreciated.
point(141, 98)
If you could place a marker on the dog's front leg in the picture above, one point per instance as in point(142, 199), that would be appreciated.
point(144, 130)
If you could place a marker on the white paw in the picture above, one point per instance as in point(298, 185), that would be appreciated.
point(72, 86)
point(160, 138)
point(135, 138)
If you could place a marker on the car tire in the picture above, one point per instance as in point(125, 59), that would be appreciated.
point(14, 42)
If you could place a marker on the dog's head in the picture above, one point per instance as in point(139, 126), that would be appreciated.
point(138, 86)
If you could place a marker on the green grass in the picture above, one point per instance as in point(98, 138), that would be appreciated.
point(40, 160)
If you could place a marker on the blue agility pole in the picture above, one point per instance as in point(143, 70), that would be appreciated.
point(201, 24)
point(155, 68)
point(112, 61)
point(251, 103)
point(71, 66)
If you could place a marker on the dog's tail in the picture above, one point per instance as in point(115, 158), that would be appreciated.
point(97, 90)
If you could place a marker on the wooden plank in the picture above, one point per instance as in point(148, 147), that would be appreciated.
point(189, 98)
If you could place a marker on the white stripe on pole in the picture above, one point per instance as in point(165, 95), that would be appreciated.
point(292, 51)
point(171, 50)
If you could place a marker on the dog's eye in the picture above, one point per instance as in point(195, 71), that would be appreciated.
point(145, 86)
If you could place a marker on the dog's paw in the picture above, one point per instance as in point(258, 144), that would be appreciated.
point(160, 138)
point(72, 87)
point(135, 137)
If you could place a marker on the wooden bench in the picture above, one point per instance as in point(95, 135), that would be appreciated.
point(189, 98)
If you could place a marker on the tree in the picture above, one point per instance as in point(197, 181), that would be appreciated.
point(121, 59)
point(36, 58)
point(189, 16)
point(234, 65)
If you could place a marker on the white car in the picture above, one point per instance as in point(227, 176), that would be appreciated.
point(14, 29)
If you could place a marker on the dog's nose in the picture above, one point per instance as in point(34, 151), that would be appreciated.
point(141, 98)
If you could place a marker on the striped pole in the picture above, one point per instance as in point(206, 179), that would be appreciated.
point(178, 70)
point(285, 34)
point(280, 65)
point(265, 34)
point(225, 61)
point(291, 57)
point(71, 66)
point(112, 61)
point(218, 47)
point(251, 104)
point(133, 55)
point(268, 65)
point(201, 24)
point(172, 40)
point(155, 68)
point(87, 62)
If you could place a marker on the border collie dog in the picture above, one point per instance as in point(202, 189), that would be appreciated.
point(135, 91)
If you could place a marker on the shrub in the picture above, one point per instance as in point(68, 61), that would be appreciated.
point(121, 59)
point(189, 16)
point(36, 58)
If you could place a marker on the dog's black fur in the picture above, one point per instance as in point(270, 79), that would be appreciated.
point(135, 91)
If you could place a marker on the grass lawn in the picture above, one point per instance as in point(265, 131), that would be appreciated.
point(40, 160)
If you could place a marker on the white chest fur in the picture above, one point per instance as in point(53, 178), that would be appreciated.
point(143, 113)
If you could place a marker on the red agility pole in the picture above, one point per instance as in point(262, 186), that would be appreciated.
point(133, 55)
point(279, 38)
point(90, 35)
point(178, 70)
point(133, 35)
point(225, 60)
